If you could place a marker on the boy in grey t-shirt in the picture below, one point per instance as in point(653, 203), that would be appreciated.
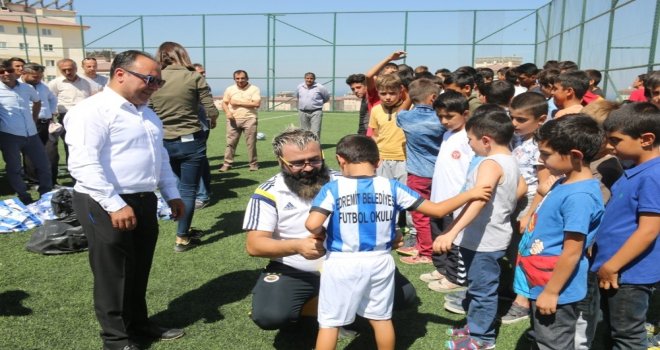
point(486, 225)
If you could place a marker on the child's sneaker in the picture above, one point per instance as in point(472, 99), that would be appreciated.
point(515, 314)
point(455, 306)
point(458, 332)
point(653, 342)
point(456, 296)
point(467, 343)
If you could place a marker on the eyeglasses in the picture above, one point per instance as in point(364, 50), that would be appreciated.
point(148, 79)
point(301, 164)
point(6, 70)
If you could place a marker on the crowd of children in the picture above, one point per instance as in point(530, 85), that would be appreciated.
point(523, 179)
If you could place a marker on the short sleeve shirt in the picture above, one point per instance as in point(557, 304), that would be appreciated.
point(635, 192)
point(391, 140)
point(575, 207)
point(363, 212)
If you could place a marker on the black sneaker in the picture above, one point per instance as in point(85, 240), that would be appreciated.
point(183, 246)
point(195, 234)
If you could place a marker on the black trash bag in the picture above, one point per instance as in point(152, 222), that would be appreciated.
point(56, 237)
point(62, 204)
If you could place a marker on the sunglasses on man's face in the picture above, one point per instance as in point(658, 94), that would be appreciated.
point(6, 70)
point(150, 80)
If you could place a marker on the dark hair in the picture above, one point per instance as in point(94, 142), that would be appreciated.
point(498, 92)
point(547, 76)
point(358, 149)
point(567, 66)
point(420, 89)
point(635, 119)
point(531, 102)
point(14, 59)
point(594, 75)
point(511, 76)
point(310, 73)
point(652, 81)
point(576, 80)
point(33, 68)
point(125, 60)
point(356, 79)
point(425, 74)
point(390, 65)
point(528, 69)
point(551, 64)
point(452, 101)
point(460, 79)
point(493, 121)
point(239, 71)
point(466, 69)
point(406, 75)
point(486, 73)
point(5, 64)
point(573, 132)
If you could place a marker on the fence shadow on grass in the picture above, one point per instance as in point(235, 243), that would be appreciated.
point(204, 303)
point(11, 303)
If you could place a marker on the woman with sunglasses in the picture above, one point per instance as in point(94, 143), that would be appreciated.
point(177, 104)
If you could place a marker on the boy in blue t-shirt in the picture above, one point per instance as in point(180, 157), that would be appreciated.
point(358, 272)
point(551, 269)
point(627, 253)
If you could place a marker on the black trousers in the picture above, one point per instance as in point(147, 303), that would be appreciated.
point(120, 262)
point(449, 264)
point(51, 153)
point(281, 291)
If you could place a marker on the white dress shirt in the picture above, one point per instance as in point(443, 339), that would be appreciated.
point(117, 148)
point(69, 93)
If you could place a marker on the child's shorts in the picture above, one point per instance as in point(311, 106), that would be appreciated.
point(356, 283)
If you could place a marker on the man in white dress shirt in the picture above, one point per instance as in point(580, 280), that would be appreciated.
point(118, 160)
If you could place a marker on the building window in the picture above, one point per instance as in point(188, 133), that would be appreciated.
point(22, 30)
point(2, 29)
point(48, 47)
point(46, 31)
point(50, 77)
point(23, 46)
point(3, 45)
point(50, 63)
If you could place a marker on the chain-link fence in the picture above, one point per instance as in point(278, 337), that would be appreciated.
point(617, 37)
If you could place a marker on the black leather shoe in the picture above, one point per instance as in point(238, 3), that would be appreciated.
point(127, 347)
point(161, 333)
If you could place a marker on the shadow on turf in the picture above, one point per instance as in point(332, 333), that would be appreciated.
point(409, 325)
point(204, 303)
point(11, 303)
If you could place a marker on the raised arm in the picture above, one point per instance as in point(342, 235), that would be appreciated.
point(373, 72)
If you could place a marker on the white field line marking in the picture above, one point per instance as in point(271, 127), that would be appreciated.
point(278, 117)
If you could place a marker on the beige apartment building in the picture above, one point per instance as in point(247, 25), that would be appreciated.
point(39, 34)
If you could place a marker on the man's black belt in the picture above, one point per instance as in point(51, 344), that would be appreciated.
point(310, 110)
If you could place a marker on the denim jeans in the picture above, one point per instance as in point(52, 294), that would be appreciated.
point(186, 159)
point(588, 312)
point(204, 188)
point(624, 312)
point(483, 275)
point(556, 331)
point(11, 147)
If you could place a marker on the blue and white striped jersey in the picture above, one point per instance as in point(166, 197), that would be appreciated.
point(362, 212)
